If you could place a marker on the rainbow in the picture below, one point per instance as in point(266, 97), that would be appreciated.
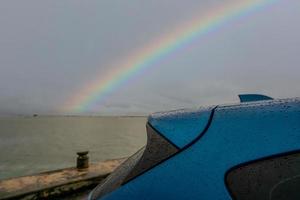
point(97, 90)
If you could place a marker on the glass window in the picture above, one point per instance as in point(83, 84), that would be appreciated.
point(156, 150)
point(276, 178)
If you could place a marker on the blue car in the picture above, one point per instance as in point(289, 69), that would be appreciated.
point(245, 151)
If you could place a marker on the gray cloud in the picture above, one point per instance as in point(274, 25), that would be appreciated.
point(50, 49)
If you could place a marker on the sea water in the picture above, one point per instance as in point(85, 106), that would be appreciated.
point(31, 145)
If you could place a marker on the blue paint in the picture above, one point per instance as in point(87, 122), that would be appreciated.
point(181, 126)
point(253, 97)
point(238, 134)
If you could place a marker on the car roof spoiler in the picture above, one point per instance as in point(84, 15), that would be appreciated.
point(253, 97)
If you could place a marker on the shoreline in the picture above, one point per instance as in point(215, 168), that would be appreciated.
point(74, 116)
point(57, 183)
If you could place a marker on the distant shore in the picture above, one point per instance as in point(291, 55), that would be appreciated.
point(37, 115)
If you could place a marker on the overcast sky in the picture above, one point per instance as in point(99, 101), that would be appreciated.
point(51, 49)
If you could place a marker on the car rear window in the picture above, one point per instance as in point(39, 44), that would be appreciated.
point(274, 178)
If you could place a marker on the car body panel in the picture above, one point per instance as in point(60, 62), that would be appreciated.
point(237, 134)
point(181, 126)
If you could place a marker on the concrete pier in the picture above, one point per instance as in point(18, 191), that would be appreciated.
point(57, 184)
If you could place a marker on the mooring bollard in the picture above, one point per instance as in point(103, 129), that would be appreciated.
point(82, 160)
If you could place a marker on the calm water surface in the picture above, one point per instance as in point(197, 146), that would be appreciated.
point(34, 144)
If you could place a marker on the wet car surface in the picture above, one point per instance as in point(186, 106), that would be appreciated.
point(207, 153)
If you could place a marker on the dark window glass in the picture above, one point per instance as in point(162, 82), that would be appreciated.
point(276, 178)
point(156, 150)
